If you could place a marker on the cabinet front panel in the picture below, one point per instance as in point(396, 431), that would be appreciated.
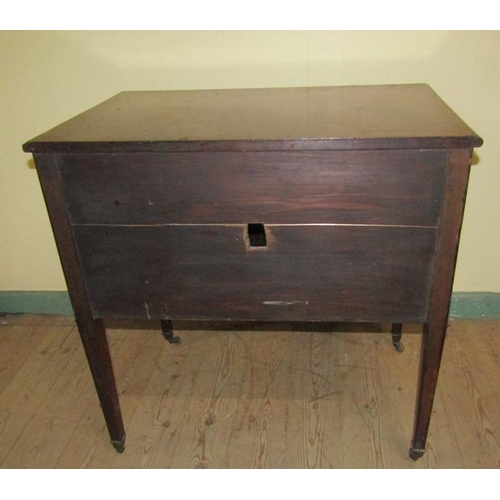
point(324, 273)
point(394, 187)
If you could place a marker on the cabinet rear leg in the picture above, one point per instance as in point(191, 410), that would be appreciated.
point(396, 332)
point(167, 330)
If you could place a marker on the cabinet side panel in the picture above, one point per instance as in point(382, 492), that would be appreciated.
point(50, 181)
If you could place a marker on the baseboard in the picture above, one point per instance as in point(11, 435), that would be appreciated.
point(475, 305)
point(464, 305)
point(35, 303)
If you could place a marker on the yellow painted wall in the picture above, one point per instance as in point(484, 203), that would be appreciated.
point(47, 77)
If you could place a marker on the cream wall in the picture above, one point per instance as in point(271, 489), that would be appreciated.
point(47, 77)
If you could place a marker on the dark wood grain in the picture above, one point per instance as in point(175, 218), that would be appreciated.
point(92, 332)
point(355, 117)
point(330, 273)
point(439, 302)
point(350, 187)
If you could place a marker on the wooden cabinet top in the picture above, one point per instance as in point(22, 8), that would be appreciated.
point(308, 118)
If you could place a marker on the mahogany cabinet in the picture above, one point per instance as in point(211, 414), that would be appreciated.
point(292, 204)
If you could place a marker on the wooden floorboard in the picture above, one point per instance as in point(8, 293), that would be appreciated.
point(246, 396)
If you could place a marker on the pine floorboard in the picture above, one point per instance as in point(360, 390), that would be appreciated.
point(246, 396)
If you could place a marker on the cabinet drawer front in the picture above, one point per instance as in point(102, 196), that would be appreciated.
point(330, 273)
point(395, 187)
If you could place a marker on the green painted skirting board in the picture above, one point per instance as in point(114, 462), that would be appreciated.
point(475, 305)
point(464, 305)
point(36, 303)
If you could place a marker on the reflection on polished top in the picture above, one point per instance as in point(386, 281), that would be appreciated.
point(355, 117)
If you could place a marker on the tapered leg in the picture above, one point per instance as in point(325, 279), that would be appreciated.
point(396, 332)
point(457, 175)
point(95, 343)
point(92, 331)
point(167, 330)
point(430, 359)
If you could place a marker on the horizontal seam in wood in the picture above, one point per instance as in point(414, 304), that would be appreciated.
point(239, 224)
